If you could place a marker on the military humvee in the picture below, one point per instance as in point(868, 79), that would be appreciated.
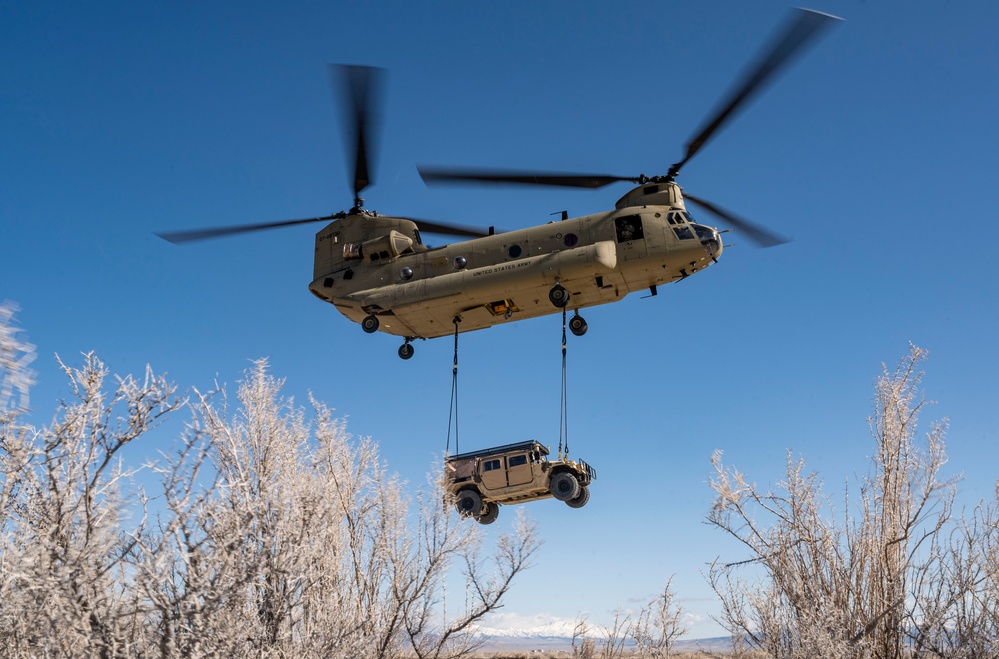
point(483, 480)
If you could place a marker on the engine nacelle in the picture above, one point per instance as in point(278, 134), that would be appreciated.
point(653, 194)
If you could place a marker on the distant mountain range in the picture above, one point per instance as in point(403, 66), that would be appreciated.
point(505, 640)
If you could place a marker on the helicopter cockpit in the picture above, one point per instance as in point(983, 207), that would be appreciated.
point(686, 228)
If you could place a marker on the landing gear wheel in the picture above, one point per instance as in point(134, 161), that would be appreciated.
point(370, 324)
point(488, 517)
point(580, 500)
point(406, 351)
point(469, 503)
point(577, 325)
point(564, 486)
point(559, 296)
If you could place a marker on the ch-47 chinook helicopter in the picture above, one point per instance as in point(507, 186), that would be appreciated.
point(376, 270)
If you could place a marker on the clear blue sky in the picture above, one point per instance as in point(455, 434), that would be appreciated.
point(876, 152)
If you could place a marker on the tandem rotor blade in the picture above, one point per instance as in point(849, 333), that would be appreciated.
point(803, 27)
point(428, 226)
point(756, 233)
point(443, 228)
point(438, 175)
point(179, 237)
point(360, 87)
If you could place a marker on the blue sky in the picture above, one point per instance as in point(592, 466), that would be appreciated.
point(876, 152)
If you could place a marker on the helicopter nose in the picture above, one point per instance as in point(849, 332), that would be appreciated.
point(710, 240)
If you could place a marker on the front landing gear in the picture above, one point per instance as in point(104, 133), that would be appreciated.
point(559, 296)
point(406, 350)
point(577, 325)
point(370, 324)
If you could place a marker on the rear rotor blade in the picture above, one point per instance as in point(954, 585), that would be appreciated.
point(756, 233)
point(437, 175)
point(178, 237)
point(360, 87)
point(803, 27)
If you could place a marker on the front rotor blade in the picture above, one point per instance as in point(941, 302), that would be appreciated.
point(178, 237)
point(359, 86)
point(802, 27)
point(756, 233)
point(438, 175)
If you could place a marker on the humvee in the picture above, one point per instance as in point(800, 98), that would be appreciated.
point(481, 481)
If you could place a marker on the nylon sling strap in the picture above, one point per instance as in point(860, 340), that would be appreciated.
point(453, 410)
point(563, 421)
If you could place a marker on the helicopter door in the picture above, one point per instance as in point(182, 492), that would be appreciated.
point(518, 469)
point(630, 237)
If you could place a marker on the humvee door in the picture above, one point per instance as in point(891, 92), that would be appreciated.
point(493, 474)
point(519, 469)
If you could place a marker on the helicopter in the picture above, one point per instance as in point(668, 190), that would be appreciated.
point(377, 271)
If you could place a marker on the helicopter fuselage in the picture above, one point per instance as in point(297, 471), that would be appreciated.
point(368, 265)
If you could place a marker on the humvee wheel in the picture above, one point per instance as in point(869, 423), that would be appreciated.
point(577, 325)
point(559, 296)
point(580, 500)
point(469, 503)
point(564, 486)
point(370, 324)
point(488, 517)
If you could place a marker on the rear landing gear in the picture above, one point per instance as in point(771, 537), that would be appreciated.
point(406, 350)
point(370, 324)
point(577, 325)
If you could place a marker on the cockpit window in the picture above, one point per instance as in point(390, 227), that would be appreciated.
point(683, 232)
point(629, 228)
point(678, 218)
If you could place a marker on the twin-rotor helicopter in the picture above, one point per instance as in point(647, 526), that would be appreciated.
point(376, 270)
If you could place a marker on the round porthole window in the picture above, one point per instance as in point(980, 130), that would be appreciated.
point(406, 274)
point(460, 262)
point(514, 251)
point(570, 240)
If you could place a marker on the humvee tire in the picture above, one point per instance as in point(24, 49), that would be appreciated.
point(564, 486)
point(580, 501)
point(492, 512)
point(469, 503)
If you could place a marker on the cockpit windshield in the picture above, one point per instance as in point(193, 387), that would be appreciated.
point(703, 232)
point(681, 223)
point(679, 219)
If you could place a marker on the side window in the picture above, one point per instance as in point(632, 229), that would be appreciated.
point(491, 465)
point(517, 460)
point(629, 228)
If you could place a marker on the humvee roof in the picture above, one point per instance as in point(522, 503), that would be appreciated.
point(517, 446)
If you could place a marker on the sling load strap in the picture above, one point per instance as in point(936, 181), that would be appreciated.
point(563, 421)
point(453, 410)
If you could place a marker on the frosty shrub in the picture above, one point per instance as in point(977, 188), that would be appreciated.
point(270, 534)
point(895, 571)
point(659, 625)
point(653, 631)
